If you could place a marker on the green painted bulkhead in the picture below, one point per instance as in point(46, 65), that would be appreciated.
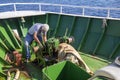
point(92, 35)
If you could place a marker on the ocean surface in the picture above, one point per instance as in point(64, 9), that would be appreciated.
point(92, 3)
point(88, 3)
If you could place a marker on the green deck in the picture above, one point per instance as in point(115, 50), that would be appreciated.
point(36, 72)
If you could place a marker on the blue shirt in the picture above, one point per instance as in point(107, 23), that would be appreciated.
point(37, 28)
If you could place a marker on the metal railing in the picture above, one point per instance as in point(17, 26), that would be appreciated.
point(63, 9)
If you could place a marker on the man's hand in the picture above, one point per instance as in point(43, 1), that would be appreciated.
point(41, 46)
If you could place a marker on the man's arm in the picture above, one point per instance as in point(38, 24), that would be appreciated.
point(44, 38)
point(36, 38)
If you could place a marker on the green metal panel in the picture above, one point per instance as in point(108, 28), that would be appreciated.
point(2, 52)
point(107, 46)
point(78, 30)
point(117, 53)
point(16, 24)
point(114, 50)
point(90, 42)
point(53, 22)
point(92, 36)
point(27, 24)
point(73, 24)
point(113, 28)
point(5, 37)
point(20, 30)
point(10, 33)
point(57, 26)
point(33, 20)
point(3, 46)
point(99, 40)
point(65, 23)
point(47, 16)
point(40, 19)
point(2, 64)
point(110, 40)
point(2, 61)
point(84, 36)
point(5, 40)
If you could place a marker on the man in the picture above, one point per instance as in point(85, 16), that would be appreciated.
point(37, 32)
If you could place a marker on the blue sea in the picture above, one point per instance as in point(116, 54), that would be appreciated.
point(89, 3)
point(92, 3)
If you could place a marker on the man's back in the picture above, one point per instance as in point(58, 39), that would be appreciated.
point(35, 28)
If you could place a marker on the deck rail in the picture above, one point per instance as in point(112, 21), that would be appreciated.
point(113, 13)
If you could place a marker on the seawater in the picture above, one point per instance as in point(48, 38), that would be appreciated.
point(89, 3)
point(92, 3)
